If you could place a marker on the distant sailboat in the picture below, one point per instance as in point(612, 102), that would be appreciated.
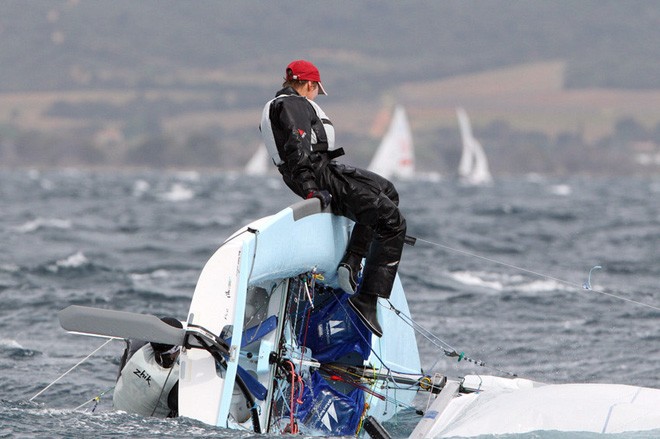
point(473, 168)
point(395, 157)
point(260, 163)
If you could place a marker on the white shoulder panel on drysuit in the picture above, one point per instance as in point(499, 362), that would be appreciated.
point(327, 126)
point(143, 386)
point(269, 139)
point(267, 134)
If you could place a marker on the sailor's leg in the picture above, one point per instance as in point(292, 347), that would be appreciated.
point(378, 211)
point(372, 202)
point(382, 261)
point(348, 199)
point(351, 263)
point(381, 265)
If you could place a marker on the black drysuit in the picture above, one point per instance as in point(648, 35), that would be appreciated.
point(306, 162)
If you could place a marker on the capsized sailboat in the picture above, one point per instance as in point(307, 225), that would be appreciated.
point(473, 168)
point(270, 346)
point(395, 156)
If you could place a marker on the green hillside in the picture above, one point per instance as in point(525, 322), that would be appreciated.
point(119, 43)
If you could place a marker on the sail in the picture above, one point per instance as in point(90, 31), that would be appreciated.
point(259, 164)
point(473, 168)
point(395, 157)
point(467, 156)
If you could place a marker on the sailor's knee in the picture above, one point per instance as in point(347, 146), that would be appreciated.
point(391, 222)
point(391, 193)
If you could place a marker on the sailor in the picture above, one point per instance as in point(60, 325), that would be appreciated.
point(148, 382)
point(301, 142)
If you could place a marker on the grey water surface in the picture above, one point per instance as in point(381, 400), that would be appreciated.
point(497, 273)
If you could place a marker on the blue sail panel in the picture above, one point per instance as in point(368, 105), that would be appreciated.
point(329, 411)
point(337, 332)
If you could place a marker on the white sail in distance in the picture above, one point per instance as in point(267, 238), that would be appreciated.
point(260, 163)
point(395, 157)
point(473, 168)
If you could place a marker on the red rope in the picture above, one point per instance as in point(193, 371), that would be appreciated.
point(292, 427)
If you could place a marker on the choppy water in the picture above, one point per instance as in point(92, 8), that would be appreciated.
point(503, 286)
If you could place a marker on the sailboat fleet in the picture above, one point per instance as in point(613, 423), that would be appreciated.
point(395, 156)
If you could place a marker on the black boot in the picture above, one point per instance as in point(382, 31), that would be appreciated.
point(365, 308)
point(347, 272)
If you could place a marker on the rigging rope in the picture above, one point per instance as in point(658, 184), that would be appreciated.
point(448, 350)
point(541, 275)
point(96, 400)
point(388, 370)
point(77, 364)
point(305, 291)
point(162, 389)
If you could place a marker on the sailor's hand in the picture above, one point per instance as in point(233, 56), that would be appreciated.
point(323, 195)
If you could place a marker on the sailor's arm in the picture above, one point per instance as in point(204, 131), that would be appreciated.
point(294, 119)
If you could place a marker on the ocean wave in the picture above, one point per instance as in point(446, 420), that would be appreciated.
point(540, 286)
point(153, 297)
point(74, 261)
point(140, 188)
point(474, 279)
point(76, 267)
point(177, 193)
point(570, 325)
point(44, 223)
point(563, 190)
point(10, 268)
point(501, 282)
point(7, 343)
point(12, 349)
point(32, 420)
point(156, 274)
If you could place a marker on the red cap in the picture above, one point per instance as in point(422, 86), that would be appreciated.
point(302, 70)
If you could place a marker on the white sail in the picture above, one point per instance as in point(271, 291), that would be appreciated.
point(260, 163)
point(491, 406)
point(395, 157)
point(473, 168)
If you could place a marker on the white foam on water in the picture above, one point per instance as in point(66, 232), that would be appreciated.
point(178, 192)
point(474, 279)
point(561, 190)
point(157, 274)
point(44, 223)
point(8, 343)
point(141, 187)
point(76, 260)
point(9, 268)
point(538, 286)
